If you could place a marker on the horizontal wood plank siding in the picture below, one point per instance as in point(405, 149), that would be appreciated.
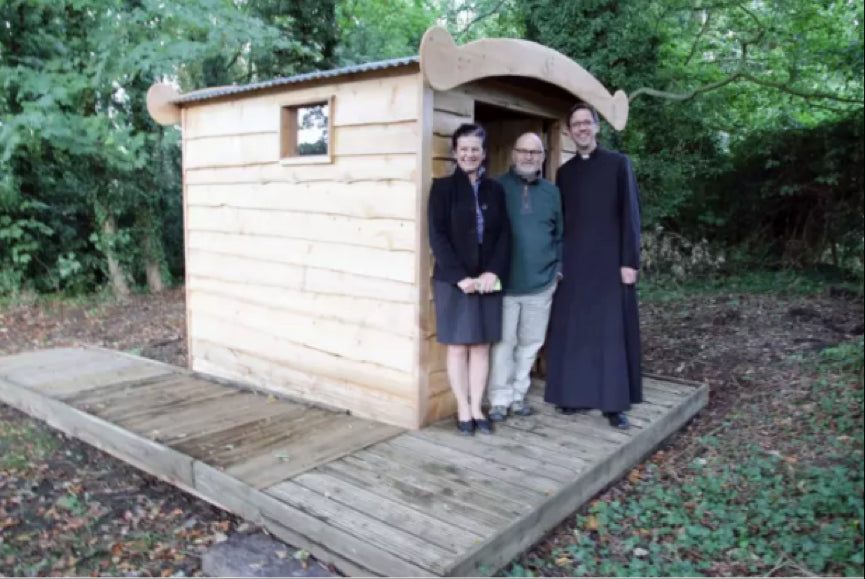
point(379, 200)
point(374, 101)
point(301, 278)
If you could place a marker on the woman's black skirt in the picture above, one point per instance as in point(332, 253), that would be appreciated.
point(466, 318)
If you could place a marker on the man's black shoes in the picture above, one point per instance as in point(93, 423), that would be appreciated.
point(618, 420)
point(569, 409)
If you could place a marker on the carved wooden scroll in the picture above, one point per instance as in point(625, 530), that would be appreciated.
point(446, 65)
point(160, 105)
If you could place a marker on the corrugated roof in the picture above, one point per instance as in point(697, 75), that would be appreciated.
point(210, 93)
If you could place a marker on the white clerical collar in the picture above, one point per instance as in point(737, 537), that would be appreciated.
point(587, 156)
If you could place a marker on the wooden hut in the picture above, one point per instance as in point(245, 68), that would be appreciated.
point(307, 261)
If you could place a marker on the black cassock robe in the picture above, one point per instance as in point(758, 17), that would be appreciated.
point(593, 350)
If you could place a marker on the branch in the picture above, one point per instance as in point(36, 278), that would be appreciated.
point(801, 93)
point(688, 95)
point(742, 74)
point(480, 17)
point(761, 27)
point(699, 37)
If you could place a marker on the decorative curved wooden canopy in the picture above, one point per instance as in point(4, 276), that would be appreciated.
point(446, 65)
point(160, 105)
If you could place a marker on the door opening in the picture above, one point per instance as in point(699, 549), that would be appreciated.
point(504, 126)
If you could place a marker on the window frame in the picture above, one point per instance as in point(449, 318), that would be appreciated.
point(288, 128)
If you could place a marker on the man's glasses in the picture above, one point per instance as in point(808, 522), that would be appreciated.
point(529, 152)
point(582, 124)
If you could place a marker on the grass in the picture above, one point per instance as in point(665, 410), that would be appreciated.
point(22, 445)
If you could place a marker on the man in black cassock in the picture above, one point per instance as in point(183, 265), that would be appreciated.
point(593, 350)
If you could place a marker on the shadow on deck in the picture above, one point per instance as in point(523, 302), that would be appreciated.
point(370, 498)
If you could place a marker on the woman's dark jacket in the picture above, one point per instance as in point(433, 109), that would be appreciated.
point(453, 229)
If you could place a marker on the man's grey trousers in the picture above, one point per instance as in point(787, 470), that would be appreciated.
point(524, 328)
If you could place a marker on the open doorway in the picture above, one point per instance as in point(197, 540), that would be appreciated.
point(504, 126)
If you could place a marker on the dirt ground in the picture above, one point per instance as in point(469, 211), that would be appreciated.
point(67, 509)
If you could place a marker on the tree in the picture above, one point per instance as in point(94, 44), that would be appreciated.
point(80, 157)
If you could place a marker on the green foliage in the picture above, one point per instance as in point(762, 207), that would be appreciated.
point(623, 44)
point(380, 29)
point(376, 30)
point(797, 195)
point(665, 288)
point(763, 165)
point(706, 79)
point(849, 356)
point(77, 146)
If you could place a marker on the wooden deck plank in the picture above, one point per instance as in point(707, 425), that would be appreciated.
point(205, 418)
point(448, 436)
point(38, 359)
point(167, 402)
point(392, 461)
point(569, 449)
point(84, 374)
point(271, 437)
point(590, 427)
point(200, 435)
point(108, 390)
point(423, 557)
point(412, 490)
point(524, 442)
point(410, 520)
point(452, 472)
point(592, 418)
point(128, 393)
point(335, 440)
point(535, 482)
point(642, 410)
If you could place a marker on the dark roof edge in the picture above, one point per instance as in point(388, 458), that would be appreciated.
point(211, 93)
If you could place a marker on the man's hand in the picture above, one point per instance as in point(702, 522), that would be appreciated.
point(468, 285)
point(487, 282)
point(629, 275)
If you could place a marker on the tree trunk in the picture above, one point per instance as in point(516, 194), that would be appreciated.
point(152, 263)
point(152, 251)
point(116, 275)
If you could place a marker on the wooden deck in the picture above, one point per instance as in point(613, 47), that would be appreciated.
point(370, 498)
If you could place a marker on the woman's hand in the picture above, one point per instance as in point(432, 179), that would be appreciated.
point(629, 275)
point(468, 285)
point(487, 282)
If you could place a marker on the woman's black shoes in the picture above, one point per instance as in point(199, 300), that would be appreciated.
point(484, 426)
point(466, 427)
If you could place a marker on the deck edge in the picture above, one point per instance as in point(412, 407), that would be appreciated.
point(120, 443)
point(488, 557)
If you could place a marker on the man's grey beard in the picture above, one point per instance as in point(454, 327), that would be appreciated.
point(526, 174)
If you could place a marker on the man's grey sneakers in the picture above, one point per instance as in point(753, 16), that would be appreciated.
point(498, 413)
point(521, 409)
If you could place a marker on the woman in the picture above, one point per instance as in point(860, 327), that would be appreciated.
point(470, 239)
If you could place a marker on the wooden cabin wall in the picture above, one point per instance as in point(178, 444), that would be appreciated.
point(451, 109)
point(302, 279)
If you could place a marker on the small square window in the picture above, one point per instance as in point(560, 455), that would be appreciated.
point(305, 132)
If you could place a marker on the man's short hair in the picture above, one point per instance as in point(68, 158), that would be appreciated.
point(582, 105)
point(470, 130)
